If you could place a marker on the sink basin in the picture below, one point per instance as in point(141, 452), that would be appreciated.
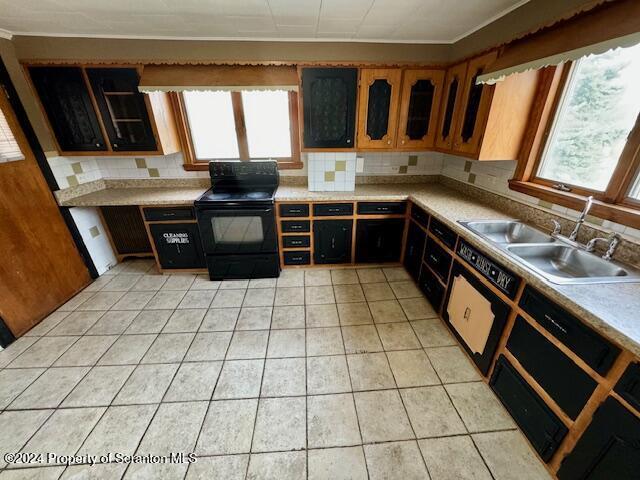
point(508, 231)
point(565, 264)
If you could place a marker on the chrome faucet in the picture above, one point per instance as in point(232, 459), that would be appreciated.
point(580, 221)
point(614, 240)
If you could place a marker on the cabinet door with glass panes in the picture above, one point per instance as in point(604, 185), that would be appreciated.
point(122, 108)
point(378, 107)
point(419, 105)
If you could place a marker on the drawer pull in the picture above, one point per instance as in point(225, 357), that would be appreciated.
point(434, 258)
point(295, 210)
point(333, 210)
point(295, 227)
point(383, 209)
point(296, 242)
point(555, 323)
point(297, 259)
point(438, 231)
point(467, 313)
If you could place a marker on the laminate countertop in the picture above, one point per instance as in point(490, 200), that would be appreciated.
point(610, 308)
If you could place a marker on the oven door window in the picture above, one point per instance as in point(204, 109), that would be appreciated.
point(237, 230)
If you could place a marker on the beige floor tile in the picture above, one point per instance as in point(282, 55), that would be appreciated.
point(128, 349)
point(346, 463)
point(284, 377)
point(47, 324)
point(99, 387)
point(417, 308)
point(165, 300)
point(263, 283)
point(361, 339)
point(354, 314)
point(121, 283)
point(286, 343)
point(208, 346)
point(99, 301)
point(197, 299)
point(147, 384)
point(220, 320)
point(289, 296)
point(113, 323)
point(291, 278)
point(479, 408)
point(254, 318)
point(292, 316)
point(324, 341)
point(194, 381)
point(377, 291)
point(43, 352)
point(348, 293)
point(228, 427)
point(280, 425)
point(344, 276)
point(405, 289)
point(387, 311)
point(228, 298)
point(314, 278)
point(234, 284)
point(168, 348)
point(49, 389)
point(452, 364)
point(18, 427)
point(281, 466)
point(433, 333)
point(187, 320)
point(395, 460)
point(150, 282)
point(259, 297)
point(202, 282)
point(179, 281)
point(371, 275)
point(370, 371)
point(248, 344)
point(318, 295)
point(453, 457)
point(332, 421)
point(76, 323)
point(183, 420)
point(16, 349)
point(104, 471)
point(165, 471)
point(327, 375)
point(509, 457)
point(431, 412)
point(98, 283)
point(397, 336)
point(78, 300)
point(86, 351)
point(396, 274)
point(411, 368)
point(149, 321)
point(382, 417)
point(239, 379)
point(14, 382)
point(133, 301)
point(322, 316)
point(227, 467)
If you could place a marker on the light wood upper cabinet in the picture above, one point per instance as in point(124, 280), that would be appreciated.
point(378, 98)
point(451, 102)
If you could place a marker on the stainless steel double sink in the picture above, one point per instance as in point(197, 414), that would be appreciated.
point(551, 258)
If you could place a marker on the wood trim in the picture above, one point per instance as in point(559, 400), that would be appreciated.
point(455, 73)
point(241, 129)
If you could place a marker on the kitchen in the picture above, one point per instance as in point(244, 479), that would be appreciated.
point(315, 239)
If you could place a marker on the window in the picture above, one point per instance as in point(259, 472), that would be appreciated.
point(241, 126)
point(9, 148)
point(589, 142)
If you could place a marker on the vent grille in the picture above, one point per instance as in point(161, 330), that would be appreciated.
point(128, 233)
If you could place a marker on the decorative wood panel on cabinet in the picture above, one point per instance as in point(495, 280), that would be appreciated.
point(451, 101)
point(378, 98)
point(329, 107)
point(419, 107)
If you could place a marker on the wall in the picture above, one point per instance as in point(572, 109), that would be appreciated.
point(95, 238)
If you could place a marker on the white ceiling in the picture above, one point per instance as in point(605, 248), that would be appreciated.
point(419, 21)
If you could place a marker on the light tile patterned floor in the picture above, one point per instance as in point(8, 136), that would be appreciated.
point(261, 379)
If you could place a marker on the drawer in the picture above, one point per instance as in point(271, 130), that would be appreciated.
point(628, 387)
point(443, 233)
point(432, 288)
point(381, 208)
point(332, 209)
point(565, 382)
point(420, 216)
point(294, 210)
point(295, 226)
point(297, 258)
point(596, 351)
point(438, 259)
point(296, 241)
point(164, 214)
point(540, 425)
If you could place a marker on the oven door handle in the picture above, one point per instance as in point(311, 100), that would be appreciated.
point(233, 212)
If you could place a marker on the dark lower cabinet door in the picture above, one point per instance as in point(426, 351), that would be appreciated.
point(609, 448)
point(65, 98)
point(379, 240)
point(332, 241)
point(178, 245)
point(416, 238)
point(329, 107)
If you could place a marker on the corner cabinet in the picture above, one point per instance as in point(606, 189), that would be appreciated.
point(329, 107)
point(378, 107)
point(99, 111)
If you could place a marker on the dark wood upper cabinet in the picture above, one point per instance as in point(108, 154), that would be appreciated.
point(67, 104)
point(329, 107)
point(378, 107)
point(122, 108)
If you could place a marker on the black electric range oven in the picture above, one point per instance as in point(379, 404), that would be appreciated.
point(237, 220)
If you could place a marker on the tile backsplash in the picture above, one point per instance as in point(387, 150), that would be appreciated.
point(331, 172)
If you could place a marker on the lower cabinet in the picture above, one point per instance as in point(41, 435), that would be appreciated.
point(178, 245)
point(414, 250)
point(432, 288)
point(379, 240)
point(332, 241)
point(608, 449)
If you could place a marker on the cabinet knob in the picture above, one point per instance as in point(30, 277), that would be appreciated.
point(98, 144)
point(389, 142)
point(115, 145)
point(348, 140)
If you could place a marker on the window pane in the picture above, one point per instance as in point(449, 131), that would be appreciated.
point(266, 116)
point(598, 109)
point(635, 190)
point(212, 125)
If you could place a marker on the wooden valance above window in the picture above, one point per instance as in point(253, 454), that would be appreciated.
point(612, 24)
point(180, 78)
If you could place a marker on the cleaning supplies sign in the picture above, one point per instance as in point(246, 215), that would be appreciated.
point(173, 238)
